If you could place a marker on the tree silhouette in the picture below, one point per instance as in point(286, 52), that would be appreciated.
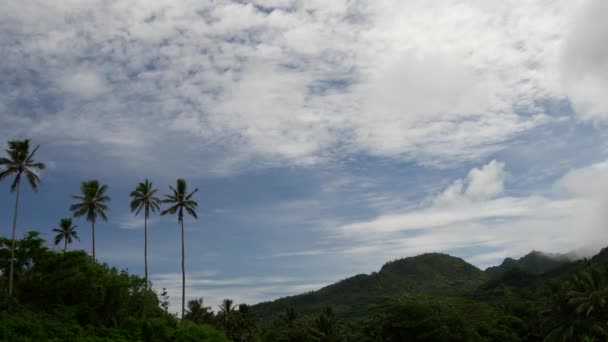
point(143, 198)
point(65, 232)
point(20, 162)
point(180, 200)
point(92, 205)
point(198, 312)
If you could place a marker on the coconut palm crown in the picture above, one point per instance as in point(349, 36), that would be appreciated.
point(180, 201)
point(66, 232)
point(92, 204)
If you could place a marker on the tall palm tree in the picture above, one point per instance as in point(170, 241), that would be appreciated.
point(20, 162)
point(65, 232)
point(91, 204)
point(180, 200)
point(143, 198)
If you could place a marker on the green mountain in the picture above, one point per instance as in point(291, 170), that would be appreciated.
point(433, 273)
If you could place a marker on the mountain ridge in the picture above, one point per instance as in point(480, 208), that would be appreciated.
point(424, 274)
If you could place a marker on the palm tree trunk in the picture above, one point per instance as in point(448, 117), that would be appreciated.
point(146, 249)
point(93, 237)
point(10, 279)
point(183, 277)
point(65, 244)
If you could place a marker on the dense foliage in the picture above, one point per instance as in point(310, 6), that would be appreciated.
point(66, 296)
point(435, 297)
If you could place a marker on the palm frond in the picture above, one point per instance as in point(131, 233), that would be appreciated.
point(171, 210)
point(102, 215)
point(181, 186)
point(39, 166)
point(33, 179)
point(102, 190)
point(16, 182)
point(191, 212)
point(6, 173)
point(31, 154)
point(191, 194)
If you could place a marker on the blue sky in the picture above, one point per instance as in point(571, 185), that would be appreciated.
point(326, 137)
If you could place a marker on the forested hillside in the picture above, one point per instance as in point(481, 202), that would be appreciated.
point(66, 296)
point(436, 274)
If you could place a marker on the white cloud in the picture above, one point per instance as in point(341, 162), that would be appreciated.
point(486, 182)
point(584, 61)
point(85, 84)
point(590, 181)
point(302, 84)
point(248, 290)
point(131, 221)
point(465, 217)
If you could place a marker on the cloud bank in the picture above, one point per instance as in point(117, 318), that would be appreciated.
point(240, 85)
point(476, 213)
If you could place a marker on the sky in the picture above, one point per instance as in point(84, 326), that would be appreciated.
point(325, 137)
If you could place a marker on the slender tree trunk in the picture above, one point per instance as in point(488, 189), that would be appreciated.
point(145, 307)
point(93, 236)
point(10, 279)
point(183, 277)
point(65, 245)
point(146, 249)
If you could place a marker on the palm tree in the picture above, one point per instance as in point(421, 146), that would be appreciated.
point(578, 309)
point(198, 312)
point(20, 162)
point(92, 204)
point(227, 307)
point(589, 295)
point(65, 232)
point(180, 200)
point(143, 198)
point(226, 317)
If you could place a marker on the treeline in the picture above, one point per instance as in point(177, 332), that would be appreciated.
point(66, 296)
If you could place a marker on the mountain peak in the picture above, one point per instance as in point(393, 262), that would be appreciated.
point(535, 262)
point(426, 274)
point(429, 263)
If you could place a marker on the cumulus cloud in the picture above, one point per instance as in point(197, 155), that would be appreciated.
point(474, 213)
point(481, 184)
point(282, 83)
